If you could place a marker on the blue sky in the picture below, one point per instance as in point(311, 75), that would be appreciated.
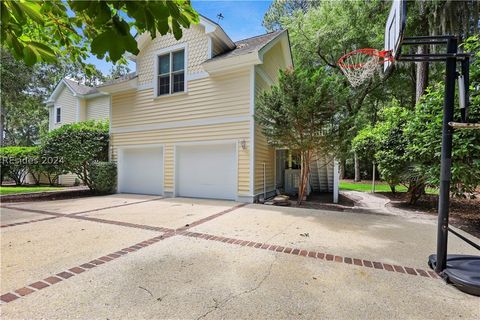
point(242, 19)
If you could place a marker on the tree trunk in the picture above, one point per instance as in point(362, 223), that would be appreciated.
point(421, 75)
point(357, 167)
point(304, 173)
point(342, 170)
point(421, 78)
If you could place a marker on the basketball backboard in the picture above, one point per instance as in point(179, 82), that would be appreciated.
point(394, 29)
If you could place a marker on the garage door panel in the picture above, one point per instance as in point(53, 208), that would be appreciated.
point(206, 171)
point(141, 171)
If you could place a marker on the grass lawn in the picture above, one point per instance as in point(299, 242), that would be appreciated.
point(25, 189)
point(379, 187)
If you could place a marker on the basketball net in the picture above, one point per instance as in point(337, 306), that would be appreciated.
point(360, 65)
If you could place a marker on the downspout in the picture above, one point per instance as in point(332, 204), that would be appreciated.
point(264, 184)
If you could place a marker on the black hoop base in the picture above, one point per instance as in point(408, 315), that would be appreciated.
point(463, 271)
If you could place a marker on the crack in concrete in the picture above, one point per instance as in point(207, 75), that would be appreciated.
point(221, 304)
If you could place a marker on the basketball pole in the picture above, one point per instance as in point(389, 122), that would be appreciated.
point(446, 158)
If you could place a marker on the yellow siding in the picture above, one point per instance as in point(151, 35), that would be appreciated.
point(197, 53)
point(211, 97)
point(98, 108)
point(68, 104)
point(264, 154)
point(273, 62)
point(236, 132)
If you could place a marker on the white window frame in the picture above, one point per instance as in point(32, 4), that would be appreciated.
point(170, 50)
point(57, 109)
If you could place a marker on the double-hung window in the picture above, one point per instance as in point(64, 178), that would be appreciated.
point(171, 73)
point(58, 115)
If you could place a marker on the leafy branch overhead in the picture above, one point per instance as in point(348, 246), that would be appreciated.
point(40, 31)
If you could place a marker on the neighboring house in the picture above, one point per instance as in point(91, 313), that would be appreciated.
point(183, 125)
point(73, 102)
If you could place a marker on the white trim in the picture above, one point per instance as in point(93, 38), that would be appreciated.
point(209, 47)
point(265, 77)
point(179, 124)
point(252, 130)
point(120, 151)
point(188, 77)
point(336, 180)
point(170, 50)
point(110, 142)
point(204, 143)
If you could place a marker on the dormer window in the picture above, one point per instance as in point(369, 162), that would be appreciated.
point(170, 73)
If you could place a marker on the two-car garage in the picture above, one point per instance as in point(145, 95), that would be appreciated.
point(200, 170)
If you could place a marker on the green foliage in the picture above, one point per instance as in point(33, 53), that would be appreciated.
point(298, 115)
point(18, 162)
point(77, 145)
point(39, 31)
point(408, 144)
point(103, 176)
point(385, 143)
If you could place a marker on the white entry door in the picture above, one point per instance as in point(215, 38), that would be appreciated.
point(206, 171)
point(140, 170)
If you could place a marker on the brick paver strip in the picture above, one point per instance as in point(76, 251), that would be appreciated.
point(388, 267)
point(24, 291)
point(38, 285)
point(329, 257)
point(52, 280)
point(77, 270)
point(8, 297)
point(26, 222)
point(65, 275)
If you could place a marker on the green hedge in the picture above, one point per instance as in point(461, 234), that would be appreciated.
point(18, 162)
point(77, 145)
point(103, 176)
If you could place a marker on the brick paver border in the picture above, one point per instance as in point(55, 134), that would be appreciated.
point(83, 267)
point(183, 231)
point(315, 255)
point(60, 215)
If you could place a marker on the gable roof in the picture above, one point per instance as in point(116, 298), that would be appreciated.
point(249, 45)
point(77, 89)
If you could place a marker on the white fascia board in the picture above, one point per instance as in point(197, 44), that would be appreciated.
point(283, 37)
point(210, 28)
point(61, 84)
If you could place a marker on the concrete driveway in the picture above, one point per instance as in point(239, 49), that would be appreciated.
point(142, 257)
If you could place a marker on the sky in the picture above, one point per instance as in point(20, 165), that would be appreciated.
point(242, 19)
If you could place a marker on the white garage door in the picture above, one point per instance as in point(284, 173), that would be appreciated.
point(140, 170)
point(206, 171)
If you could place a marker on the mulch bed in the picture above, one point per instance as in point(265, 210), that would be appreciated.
point(47, 195)
point(464, 213)
point(324, 201)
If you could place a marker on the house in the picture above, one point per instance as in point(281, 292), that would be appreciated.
point(73, 102)
point(183, 124)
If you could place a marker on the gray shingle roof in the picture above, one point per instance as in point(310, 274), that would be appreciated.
point(127, 77)
point(80, 88)
point(248, 45)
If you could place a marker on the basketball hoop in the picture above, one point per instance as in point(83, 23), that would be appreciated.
point(360, 65)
